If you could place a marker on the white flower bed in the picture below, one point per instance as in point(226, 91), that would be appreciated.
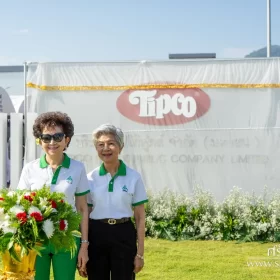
point(239, 217)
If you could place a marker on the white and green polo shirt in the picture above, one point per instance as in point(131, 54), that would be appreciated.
point(69, 178)
point(114, 197)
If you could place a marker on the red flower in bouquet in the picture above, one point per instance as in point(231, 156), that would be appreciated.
point(19, 213)
point(1, 199)
point(63, 224)
point(35, 213)
point(22, 217)
point(28, 197)
point(37, 216)
point(53, 203)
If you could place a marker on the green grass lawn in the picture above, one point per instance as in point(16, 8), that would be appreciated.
point(199, 260)
point(211, 260)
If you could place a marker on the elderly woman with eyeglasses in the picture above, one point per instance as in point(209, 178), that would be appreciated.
point(117, 193)
point(53, 131)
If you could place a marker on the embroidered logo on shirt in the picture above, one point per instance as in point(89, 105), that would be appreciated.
point(124, 188)
point(69, 180)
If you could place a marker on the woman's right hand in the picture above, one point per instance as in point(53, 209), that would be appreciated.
point(138, 264)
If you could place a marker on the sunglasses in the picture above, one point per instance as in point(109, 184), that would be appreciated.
point(47, 138)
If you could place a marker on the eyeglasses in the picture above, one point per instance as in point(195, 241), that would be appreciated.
point(57, 137)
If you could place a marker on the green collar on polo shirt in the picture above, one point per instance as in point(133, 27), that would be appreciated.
point(121, 172)
point(65, 164)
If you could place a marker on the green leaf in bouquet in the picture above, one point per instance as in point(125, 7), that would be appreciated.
point(4, 241)
point(23, 250)
point(34, 228)
point(38, 249)
point(77, 233)
point(10, 244)
point(13, 254)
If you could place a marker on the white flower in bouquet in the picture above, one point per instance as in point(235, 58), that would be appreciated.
point(43, 202)
point(48, 228)
point(18, 200)
point(2, 215)
point(11, 193)
point(6, 227)
point(34, 209)
point(17, 209)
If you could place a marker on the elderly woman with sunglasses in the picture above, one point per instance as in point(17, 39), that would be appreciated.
point(53, 131)
point(116, 248)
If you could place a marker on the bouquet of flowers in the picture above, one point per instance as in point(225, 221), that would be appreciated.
point(31, 219)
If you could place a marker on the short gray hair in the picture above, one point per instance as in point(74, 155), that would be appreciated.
point(106, 129)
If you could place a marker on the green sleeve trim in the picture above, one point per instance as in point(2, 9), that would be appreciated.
point(89, 205)
point(82, 193)
point(140, 202)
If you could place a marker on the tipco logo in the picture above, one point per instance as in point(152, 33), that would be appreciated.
point(163, 106)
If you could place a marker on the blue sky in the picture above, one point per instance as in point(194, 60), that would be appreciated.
point(110, 30)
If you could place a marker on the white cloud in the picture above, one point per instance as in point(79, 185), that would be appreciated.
point(234, 52)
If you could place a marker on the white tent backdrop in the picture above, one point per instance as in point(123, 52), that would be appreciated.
point(212, 123)
point(6, 104)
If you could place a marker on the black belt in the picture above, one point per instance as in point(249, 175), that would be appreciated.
point(114, 221)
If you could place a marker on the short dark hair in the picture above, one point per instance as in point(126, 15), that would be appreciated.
point(52, 119)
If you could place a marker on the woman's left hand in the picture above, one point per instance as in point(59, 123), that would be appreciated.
point(138, 264)
point(83, 273)
point(82, 259)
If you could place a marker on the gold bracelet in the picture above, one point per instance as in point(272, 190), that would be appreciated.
point(140, 257)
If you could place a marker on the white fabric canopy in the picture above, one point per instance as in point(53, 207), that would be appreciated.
point(245, 71)
point(212, 123)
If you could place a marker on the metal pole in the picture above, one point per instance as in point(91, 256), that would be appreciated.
point(268, 27)
point(25, 98)
point(3, 150)
point(16, 155)
point(25, 107)
point(25, 90)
